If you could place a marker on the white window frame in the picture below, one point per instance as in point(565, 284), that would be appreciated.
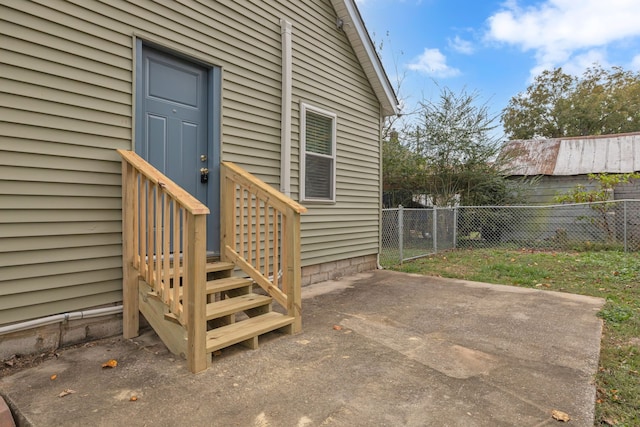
point(304, 108)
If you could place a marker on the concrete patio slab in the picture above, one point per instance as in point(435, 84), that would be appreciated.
point(377, 349)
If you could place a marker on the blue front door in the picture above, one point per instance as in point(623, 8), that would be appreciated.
point(173, 123)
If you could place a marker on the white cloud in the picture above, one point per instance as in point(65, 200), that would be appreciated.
point(461, 46)
point(562, 32)
point(582, 61)
point(635, 63)
point(433, 63)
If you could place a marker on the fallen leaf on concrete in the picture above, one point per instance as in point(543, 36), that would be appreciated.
point(53, 377)
point(560, 416)
point(66, 392)
point(110, 364)
point(337, 327)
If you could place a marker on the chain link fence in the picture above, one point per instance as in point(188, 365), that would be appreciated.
point(413, 233)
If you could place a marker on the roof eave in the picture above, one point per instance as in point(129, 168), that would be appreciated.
point(358, 36)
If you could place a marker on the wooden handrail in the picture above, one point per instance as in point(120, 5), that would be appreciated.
point(264, 190)
point(190, 203)
point(164, 244)
point(261, 235)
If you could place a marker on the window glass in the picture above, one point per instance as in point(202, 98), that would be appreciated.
point(318, 162)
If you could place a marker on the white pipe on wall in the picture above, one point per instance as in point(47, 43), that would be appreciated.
point(285, 125)
point(58, 318)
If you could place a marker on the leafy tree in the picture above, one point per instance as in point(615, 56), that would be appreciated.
point(556, 104)
point(539, 111)
point(455, 141)
point(450, 152)
point(400, 171)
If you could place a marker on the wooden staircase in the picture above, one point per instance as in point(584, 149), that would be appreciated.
point(234, 313)
point(198, 306)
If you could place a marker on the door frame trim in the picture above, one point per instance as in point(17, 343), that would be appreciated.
point(214, 128)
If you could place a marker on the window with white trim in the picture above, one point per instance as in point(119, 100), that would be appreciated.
point(318, 155)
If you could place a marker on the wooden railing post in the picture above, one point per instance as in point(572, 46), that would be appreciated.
point(227, 213)
point(130, 315)
point(195, 256)
point(293, 272)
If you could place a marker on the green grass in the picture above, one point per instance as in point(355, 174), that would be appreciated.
point(612, 275)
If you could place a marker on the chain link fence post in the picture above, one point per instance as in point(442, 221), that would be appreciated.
point(455, 227)
point(624, 227)
point(435, 230)
point(401, 232)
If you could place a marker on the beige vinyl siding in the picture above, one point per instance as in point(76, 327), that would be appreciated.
point(61, 115)
point(326, 74)
point(66, 103)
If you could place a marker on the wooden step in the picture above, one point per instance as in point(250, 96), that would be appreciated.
point(241, 331)
point(237, 304)
point(225, 284)
point(212, 267)
point(219, 266)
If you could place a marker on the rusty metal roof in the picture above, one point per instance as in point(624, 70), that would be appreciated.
point(575, 156)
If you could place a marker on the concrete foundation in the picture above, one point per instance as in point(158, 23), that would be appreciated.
point(52, 337)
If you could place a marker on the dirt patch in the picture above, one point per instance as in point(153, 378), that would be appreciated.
point(18, 362)
point(635, 342)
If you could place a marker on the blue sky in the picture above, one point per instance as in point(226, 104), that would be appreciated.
point(497, 47)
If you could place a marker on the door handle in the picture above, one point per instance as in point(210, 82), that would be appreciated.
point(204, 175)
